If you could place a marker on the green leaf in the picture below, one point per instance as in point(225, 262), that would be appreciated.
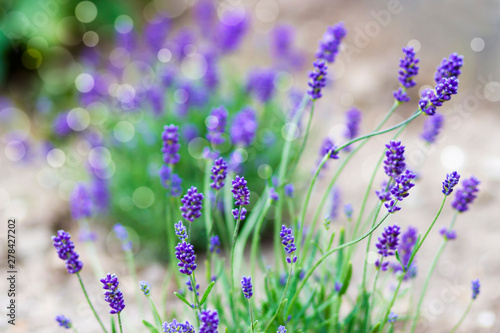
point(150, 326)
point(347, 279)
point(182, 298)
point(207, 292)
point(113, 327)
point(376, 328)
point(340, 253)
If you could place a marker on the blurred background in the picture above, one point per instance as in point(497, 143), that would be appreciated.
point(86, 87)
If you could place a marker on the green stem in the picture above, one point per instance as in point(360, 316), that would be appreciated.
point(325, 256)
point(88, 301)
point(372, 296)
point(306, 136)
point(156, 315)
point(396, 292)
point(206, 204)
point(131, 267)
point(282, 299)
point(120, 322)
point(251, 315)
point(256, 237)
point(235, 235)
point(196, 299)
point(368, 243)
point(462, 318)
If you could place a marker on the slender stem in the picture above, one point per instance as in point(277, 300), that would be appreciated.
point(235, 235)
point(256, 237)
point(88, 300)
point(326, 255)
point(282, 299)
point(388, 311)
point(372, 295)
point(206, 205)
point(193, 285)
point(251, 315)
point(462, 318)
point(365, 268)
point(306, 136)
point(129, 255)
point(120, 322)
point(156, 315)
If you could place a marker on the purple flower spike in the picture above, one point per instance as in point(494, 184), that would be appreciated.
point(112, 294)
point(401, 96)
point(281, 41)
point(214, 244)
point(145, 288)
point(244, 127)
point(466, 195)
point(184, 252)
point(392, 317)
point(353, 118)
point(449, 67)
point(281, 329)
point(317, 79)
point(382, 266)
point(190, 286)
point(122, 234)
point(448, 234)
point(261, 84)
point(330, 43)
point(176, 327)
point(192, 204)
point(385, 193)
point(66, 251)
point(388, 241)
point(170, 138)
point(246, 287)
point(432, 126)
point(64, 322)
point(216, 125)
point(405, 249)
point(209, 321)
point(337, 286)
point(219, 173)
point(240, 191)
point(450, 182)
point(242, 215)
point(80, 202)
point(408, 70)
point(230, 31)
point(400, 190)
point(328, 147)
point(394, 159)
point(289, 189)
point(273, 195)
point(431, 99)
point(180, 231)
point(475, 288)
point(288, 240)
point(170, 181)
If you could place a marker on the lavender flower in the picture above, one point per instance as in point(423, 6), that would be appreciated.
point(466, 195)
point(431, 99)
point(205, 14)
point(327, 147)
point(230, 31)
point(214, 244)
point(400, 190)
point(337, 286)
point(281, 329)
point(432, 126)
point(66, 251)
point(246, 287)
point(408, 70)
point(317, 79)
point(209, 321)
point(475, 288)
point(216, 125)
point(353, 118)
point(448, 234)
point(211, 77)
point(180, 231)
point(190, 286)
point(387, 244)
point(192, 204)
point(184, 252)
point(240, 191)
point(405, 249)
point(170, 137)
point(64, 322)
point(145, 288)
point(241, 215)
point(100, 194)
point(244, 127)
point(385, 193)
point(281, 41)
point(450, 182)
point(335, 203)
point(288, 240)
point(273, 195)
point(122, 234)
point(348, 210)
point(219, 174)
point(176, 327)
point(156, 32)
point(330, 43)
point(392, 317)
point(112, 294)
point(394, 163)
point(289, 189)
point(80, 202)
point(170, 181)
point(261, 84)
point(449, 67)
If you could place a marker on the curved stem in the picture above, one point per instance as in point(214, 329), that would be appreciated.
point(372, 296)
point(88, 300)
point(462, 318)
point(326, 255)
point(396, 292)
point(282, 299)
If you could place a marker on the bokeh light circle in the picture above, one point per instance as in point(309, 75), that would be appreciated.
point(194, 66)
point(84, 82)
point(415, 44)
point(143, 197)
point(452, 157)
point(56, 158)
point(477, 44)
point(164, 55)
point(31, 59)
point(86, 11)
point(78, 119)
point(124, 131)
point(99, 157)
point(290, 132)
point(124, 24)
point(90, 38)
point(15, 150)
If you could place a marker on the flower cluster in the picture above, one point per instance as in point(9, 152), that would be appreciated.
point(330, 43)
point(180, 231)
point(219, 173)
point(466, 195)
point(209, 321)
point(387, 244)
point(431, 99)
point(192, 204)
point(432, 126)
point(449, 67)
point(405, 249)
point(273, 195)
point(327, 147)
point(246, 287)
point(240, 191)
point(145, 288)
point(317, 79)
point(261, 84)
point(353, 118)
point(400, 190)
point(288, 241)
point(289, 189)
point(394, 163)
point(176, 327)
point(66, 251)
point(170, 181)
point(64, 322)
point(80, 202)
point(448, 234)
point(450, 182)
point(216, 125)
point(190, 287)
point(408, 70)
point(170, 138)
point(112, 294)
point(281, 329)
point(475, 288)
point(244, 127)
point(122, 234)
point(184, 252)
point(214, 244)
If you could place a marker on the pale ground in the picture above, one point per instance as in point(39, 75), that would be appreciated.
point(366, 78)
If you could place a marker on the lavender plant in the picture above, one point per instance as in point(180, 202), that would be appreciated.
point(211, 147)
